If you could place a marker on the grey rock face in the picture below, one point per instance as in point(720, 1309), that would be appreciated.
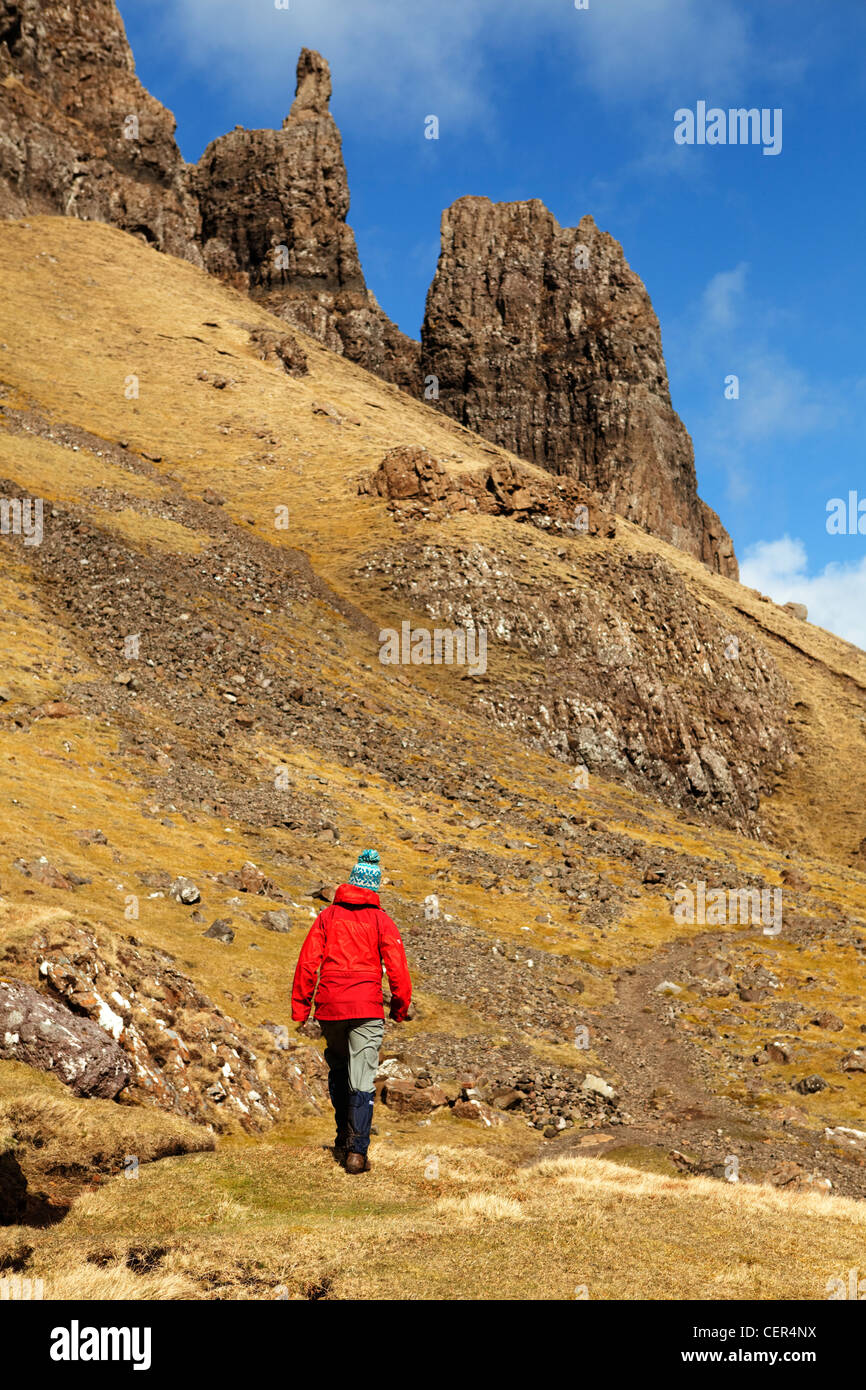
point(43, 1034)
point(543, 340)
point(79, 135)
point(274, 205)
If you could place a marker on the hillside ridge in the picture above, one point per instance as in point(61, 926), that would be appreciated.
point(572, 379)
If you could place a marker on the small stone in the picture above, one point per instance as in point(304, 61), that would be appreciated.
point(407, 1097)
point(828, 1020)
point(252, 880)
point(183, 890)
point(851, 1138)
point(277, 921)
point(58, 709)
point(596, 1085)
point(220, 930)
point(809, 1085)
point(654, 875)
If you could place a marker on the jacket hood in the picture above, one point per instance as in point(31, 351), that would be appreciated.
point(352, 895)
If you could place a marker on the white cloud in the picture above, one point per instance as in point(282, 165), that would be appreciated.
point(778, 400)
point(835, 596)
point(683, 46)
point(730, 332)
point(722, 298)
point(393, 58)
point(394, 61)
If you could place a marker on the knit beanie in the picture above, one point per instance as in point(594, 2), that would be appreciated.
point(366, 873)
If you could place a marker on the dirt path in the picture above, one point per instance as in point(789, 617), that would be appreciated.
point(666, 1089)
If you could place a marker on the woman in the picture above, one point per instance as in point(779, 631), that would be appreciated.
point(345, 950)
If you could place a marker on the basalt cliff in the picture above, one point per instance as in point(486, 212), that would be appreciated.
point(541, 338)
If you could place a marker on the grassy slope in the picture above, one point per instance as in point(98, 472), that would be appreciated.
point(269, 1221)
point(111, 308)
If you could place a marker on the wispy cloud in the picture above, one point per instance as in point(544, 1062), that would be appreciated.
point(393, 57)
point(396, 62)
point(723, 297)
point(760, 395)
point(835, 596)
point(670, 47)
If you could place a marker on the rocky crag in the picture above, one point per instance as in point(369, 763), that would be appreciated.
point(274, 205)
point(540, 338)
point(79, 135)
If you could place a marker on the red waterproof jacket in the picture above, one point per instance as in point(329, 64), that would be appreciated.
point(346, 947)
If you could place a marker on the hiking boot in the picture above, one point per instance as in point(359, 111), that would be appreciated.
point(357, 1163)
point(340, 1148)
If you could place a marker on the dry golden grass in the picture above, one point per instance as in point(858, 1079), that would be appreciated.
point(53, 1132)
point(275, 1220)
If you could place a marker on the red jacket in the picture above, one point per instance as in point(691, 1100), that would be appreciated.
point(346, 947)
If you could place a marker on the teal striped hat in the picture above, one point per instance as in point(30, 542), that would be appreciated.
point(366, 873)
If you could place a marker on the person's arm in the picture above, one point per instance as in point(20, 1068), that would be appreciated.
point(307, 971)
point(396, 967)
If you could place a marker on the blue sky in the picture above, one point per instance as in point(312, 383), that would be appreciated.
point(754, 262)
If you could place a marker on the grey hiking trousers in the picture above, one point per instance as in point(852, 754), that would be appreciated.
point(355, 1041)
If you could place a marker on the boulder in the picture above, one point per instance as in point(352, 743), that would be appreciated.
point(595, 1085)
point(277, 921)
point(797, 610)
point(477, 1110)
point(829, 1020)
point(407, 1098)
point(810, 1085)
point(44, 1034)
point(183, 890)
point(221, 930)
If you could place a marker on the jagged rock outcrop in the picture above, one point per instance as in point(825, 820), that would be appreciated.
point(46, 1035)
point(79, 135)
point(112, 1015)
point(542, 339)
point(636, 681)
point(274, 205)
point(418, 485)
